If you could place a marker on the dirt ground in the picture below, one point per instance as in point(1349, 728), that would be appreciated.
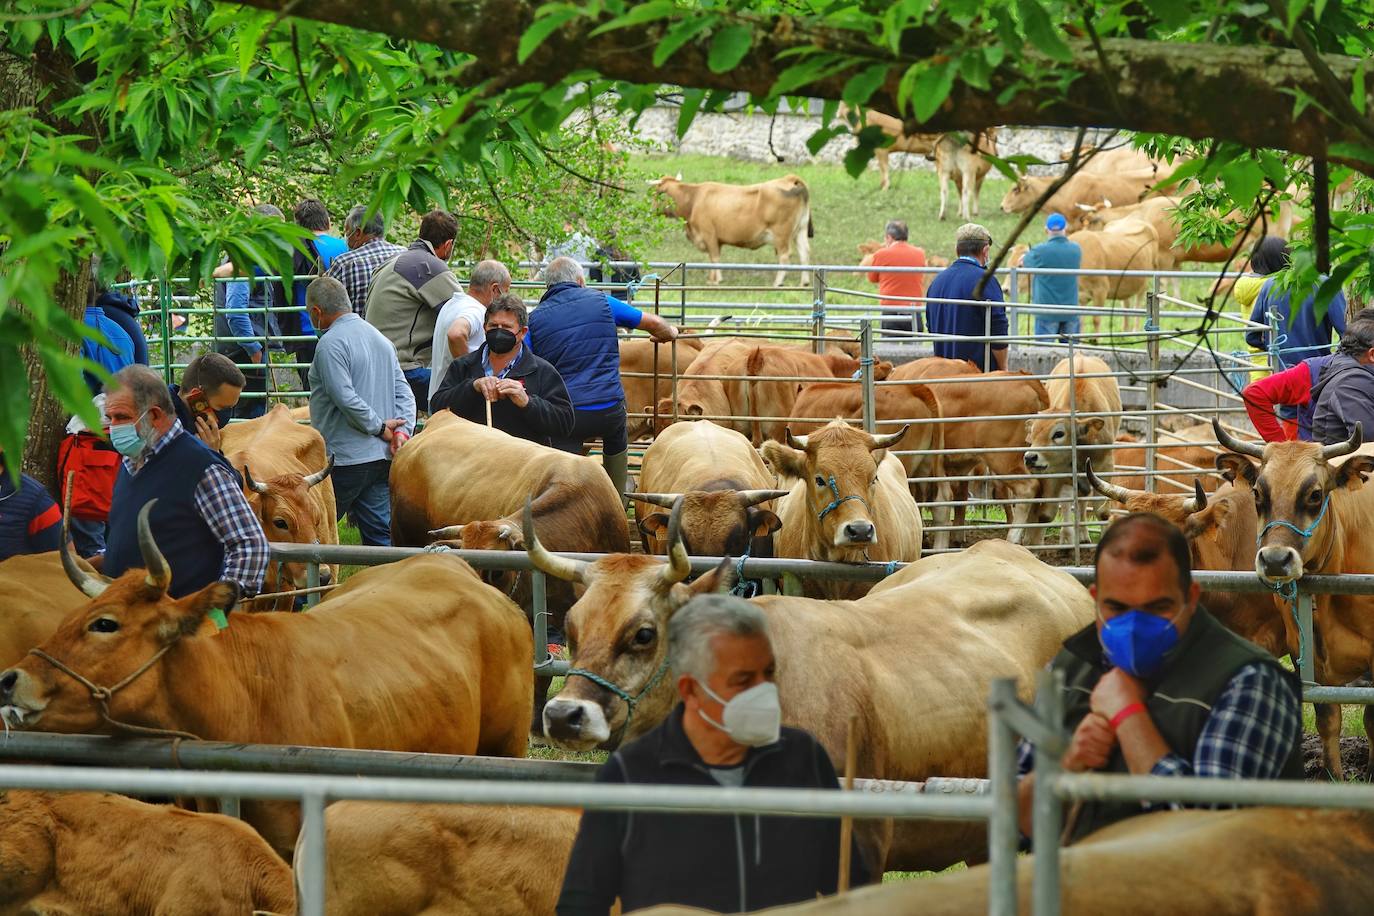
point(1354, 754)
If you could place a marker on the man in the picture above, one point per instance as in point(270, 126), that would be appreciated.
point(1299, 333)
point(30, 521)
point(458, 329)
point(1055, 289)
point(959, 281)
point(319, 253)
point(362, 405)
point(368, 250)
point(574, 329)
point(898, 291)
point(726, 732)
point(1156, 686)
point(243, 318)
point(201, 520)
point(122, 309)
point(528, 399)
point(313, 215)
point(405, 296)
point(205, 399)
point(1343, 394)
point(113, 353)
point(1269, 398)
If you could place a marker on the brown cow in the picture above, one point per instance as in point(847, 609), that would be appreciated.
point(895, 405)
point(776, 212)
point(960, 159)
point(37, 596)
point(1128, 244)
point(902, 142)
point(1181, 458)
point(1159, 212)
point(87, 852)
point(1116, 188)
point(1109, 161)
point(412, 656)
point(637, 355)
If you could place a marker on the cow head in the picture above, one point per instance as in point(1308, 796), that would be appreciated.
point(1294, 487)
point(287, 513)
point(1053, 432)
point(128, 624)
point(714, 523)
point(618, 635)
point(838, 466)
point(501, 534)
point(1023, 194)
point(678, 192)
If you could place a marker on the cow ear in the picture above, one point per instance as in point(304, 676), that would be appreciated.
point(1093, 424)
point(1352, 474)
point(185, 616)
point(720, 579)
point(656, 525)
point(785, 462)
point(762, 523)
point(1237, 469)
point(1029, 423)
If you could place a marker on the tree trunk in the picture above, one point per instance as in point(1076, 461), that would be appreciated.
point(47, 416)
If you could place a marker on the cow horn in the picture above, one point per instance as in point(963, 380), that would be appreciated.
point(666, 500)
point(447, 532)
point(718, 321)
point(678, 566)
point(797, 442)
point(159, 576)
point(1253, 449)
point(1340, 449)
point(317, 478)
point(253, 484)
point(90, 584)
point(749, 498)
point(545, 562)
point(1198, 501)
point(1109, 490)
point(890, 439)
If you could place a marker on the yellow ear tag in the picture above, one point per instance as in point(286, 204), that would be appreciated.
point(221, 621)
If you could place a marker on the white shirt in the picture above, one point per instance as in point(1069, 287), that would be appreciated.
point(460, 307)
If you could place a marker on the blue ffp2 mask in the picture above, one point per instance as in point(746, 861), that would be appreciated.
point(1136, 642)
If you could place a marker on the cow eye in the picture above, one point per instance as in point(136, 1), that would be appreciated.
point(104, 625)
point(1315, 497)
point(820, 481)
point(644, 636)
point(1058, 434)
point(280, 523)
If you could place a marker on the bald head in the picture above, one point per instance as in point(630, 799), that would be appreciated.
point(563, 270)
point(489, 280)
point(1143, 539)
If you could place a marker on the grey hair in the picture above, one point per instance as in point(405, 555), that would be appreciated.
point(695, 626)
point(488, 272)
point(896, 229)
point(562, 270)
point(149, 388)
point(269, 210)
point(353, 222)
point(328, 295)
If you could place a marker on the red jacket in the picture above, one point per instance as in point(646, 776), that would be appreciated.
point(1292, 387)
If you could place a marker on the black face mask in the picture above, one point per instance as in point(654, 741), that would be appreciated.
point(500, 341)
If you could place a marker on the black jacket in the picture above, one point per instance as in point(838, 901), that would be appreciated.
point(548, 415)
point(1342, 396)
point(720, 862)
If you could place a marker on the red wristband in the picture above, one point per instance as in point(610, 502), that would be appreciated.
point(1125, 714)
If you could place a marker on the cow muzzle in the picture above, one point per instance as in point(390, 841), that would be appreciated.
point(575, 725)
point(1277, 564)
point(1035, 461)
point(858, 532)
point(17, 709)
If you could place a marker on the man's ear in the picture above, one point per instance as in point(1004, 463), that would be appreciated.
point(1353, 472)
point(1238, 469)
point(185, 616)
point(762, 522)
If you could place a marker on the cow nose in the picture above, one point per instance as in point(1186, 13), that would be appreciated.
point(1032, 460)
point(859, 532)
point(1276, 562)
point(7, 682)
point(326, 575)
point(563, 720)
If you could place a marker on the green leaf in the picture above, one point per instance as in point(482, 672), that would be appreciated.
point(1041, 32)
point(1295, 10)
point(931, 89)
point(14, 403)
point(249, 33)
point(1243, 180)
point(856, 160)
point(541, 29)
point(691, 103)
point(728, 47)
point(861, 86)
point(158, 227)
point(1357, 96)
point(638, 15)
point(679, 35)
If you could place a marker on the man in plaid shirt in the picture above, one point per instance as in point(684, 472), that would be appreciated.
point(1157, 686)
point(368, 250)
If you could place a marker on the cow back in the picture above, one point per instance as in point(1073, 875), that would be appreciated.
point(36, 596)
point(687, 456)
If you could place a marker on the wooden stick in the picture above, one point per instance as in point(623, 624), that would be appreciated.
point(488, 413)
point(847, 822)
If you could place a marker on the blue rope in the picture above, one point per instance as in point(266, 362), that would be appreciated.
point(890, 568)
point(630, 701)
point(818, 310)
point(744, 588)
point(633, 286)
point(1301, 532)
point(1288, 591)
point(835, 503)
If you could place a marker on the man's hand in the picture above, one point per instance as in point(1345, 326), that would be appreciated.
point(1091, 745)
point(510, 388)
point(1114, 692)
point(256, 357)
point(398, 438)
point(389, 428)
point(488, 386)
point(207, 430)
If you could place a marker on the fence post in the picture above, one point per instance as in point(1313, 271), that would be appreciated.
point(1003, 832)
point(164, 304)
point(1014, 313)
point(1151, 385)
point(1046, 813)
point(312, 580)
point(311, 867)
point(866, 372)
point(818, 311)
point(1073, 456)
point(539, 604)
point(1307, 666)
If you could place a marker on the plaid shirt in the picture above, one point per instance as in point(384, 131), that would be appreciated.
point(354, 269)
point(220, 501)
point(1248, 735)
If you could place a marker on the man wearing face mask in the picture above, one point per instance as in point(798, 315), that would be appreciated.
point(527, 395)
point(726, 732)
point(1156, 686)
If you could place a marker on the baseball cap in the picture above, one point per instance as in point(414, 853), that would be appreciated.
point(970, 232)
point(1056, 222)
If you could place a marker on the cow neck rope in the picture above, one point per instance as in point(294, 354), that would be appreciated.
point(630, 701)
point(103, 695)
point(838, 500)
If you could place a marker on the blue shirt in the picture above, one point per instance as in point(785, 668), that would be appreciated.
point(1300, 335)
point(329, 247)
point(114, 355)
point(957, 281)
point(1055, 289)
point(486, 363)
point(240, 325)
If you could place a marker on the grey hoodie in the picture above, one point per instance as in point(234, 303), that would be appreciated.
point(1343, 396)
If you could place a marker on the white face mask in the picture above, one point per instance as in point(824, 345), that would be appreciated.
point(752, 717)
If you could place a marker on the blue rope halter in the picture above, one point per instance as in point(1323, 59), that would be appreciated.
point(630, 701)
point(1301, 532)
point(835, 503)
point(1288, 591)
point(744, 588)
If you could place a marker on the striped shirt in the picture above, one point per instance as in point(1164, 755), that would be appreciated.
point(354, 269)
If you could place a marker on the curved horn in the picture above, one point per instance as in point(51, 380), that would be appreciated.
point(447, 532)
point(90, 584)
point(666, 500)
point(749, 498)
point(890, 439)
point(1241, 447)
point(317, 478)
point(797, 442)
point(545, 562)
point(678, 566)
point(251, 483)
point(1198, 501)
point(1340, 449)
point(1109, 490)
point(159, 576)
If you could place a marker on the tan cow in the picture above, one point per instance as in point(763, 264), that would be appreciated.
point(776, 212)
point(1124, 245)
point(849, 502)
point(385, 859)
point(1159, 212)
point(1117, 188)
point(1111, 160)
point(637, 355)
point(775, 399)
point(286, 479)
point(726, 491)
point(1074, 419)
point(960, 160)
point(87, 852)
point(36, 596)
point(412, 656)
point(987, 612)
point(894, 406)
point(1251, 862)
point(902, 142)
point(1303, 487)
point(1182, 458)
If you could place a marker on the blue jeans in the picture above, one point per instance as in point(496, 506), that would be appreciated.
point(88, 536)
point(418, 379)
point(363, 491)
point(1060, 324)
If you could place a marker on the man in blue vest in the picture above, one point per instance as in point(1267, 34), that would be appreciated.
point(949, 308)
point(574, 329)
point(1055, 289)
point(201, 519)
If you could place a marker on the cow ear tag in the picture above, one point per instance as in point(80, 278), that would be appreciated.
point(218, 616)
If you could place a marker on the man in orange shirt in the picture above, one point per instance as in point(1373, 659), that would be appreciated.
point(898, 290)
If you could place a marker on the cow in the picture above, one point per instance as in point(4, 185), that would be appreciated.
point(388, 859)
point(1298, 862)
point(894, 405)
point(1220, 529)
point(1314, 510)
point(637, 355)
point(37, 596)
point(848, 501)
point(417, 655)
point(89, 852)
point(1182, 458)
point(1085, 415)
point(1109, 161)
point(965, 618)
point(961, 161)
point(726, 491)
point(286, 479)
point(776, 212)
point(1159, 213)
point(1116, 188)
point(902, 142)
